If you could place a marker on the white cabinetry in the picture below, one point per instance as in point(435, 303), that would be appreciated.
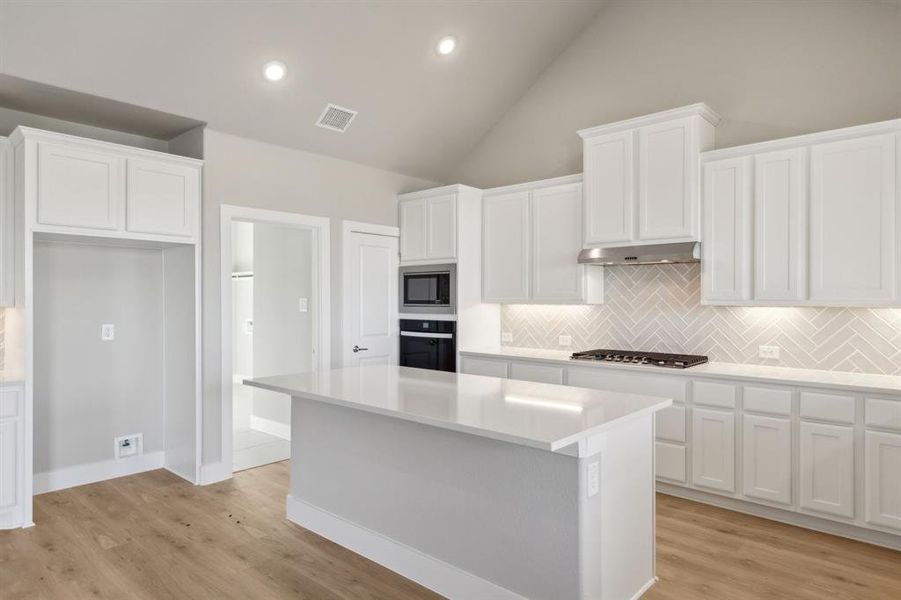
point(531, 236)
point(826, 224)
point(487, 367)
point(428, 226)
point(536, 372)
point(163, 198)
point(641, 177)
point(883, 479)
point(7, 226)
point(766, 458)
point(713, 449)
point(827, 468)
point(11, 456)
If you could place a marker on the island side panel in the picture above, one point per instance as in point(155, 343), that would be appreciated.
point(506, 513)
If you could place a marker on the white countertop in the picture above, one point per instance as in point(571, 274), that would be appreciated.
point(539, 415)
point(866, 382)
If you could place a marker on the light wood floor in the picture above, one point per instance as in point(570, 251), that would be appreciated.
point(155, 536)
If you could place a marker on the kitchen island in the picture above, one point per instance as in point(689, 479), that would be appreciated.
point(477, 487)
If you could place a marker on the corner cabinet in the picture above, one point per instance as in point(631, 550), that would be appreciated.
point(531, 237)
point(641, 177)
point(7, 226)
point(807, 221)
point(428, 226)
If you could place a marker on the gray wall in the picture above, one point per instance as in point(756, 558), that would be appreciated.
point(770, 68)
point(88, 391)
point(248, 173)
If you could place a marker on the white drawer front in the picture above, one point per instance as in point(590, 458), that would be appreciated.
point(9, 403)
point(537, 373)
point(484, 366)
point(768, 400)
point(827, 407)
point(671, 462)
point(884, 413)
point(713, 394)
point(671, 424)
point(637, 381)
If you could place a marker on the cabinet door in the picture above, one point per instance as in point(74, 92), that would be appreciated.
point(827, 468)
point(666, 187)
point(609, 194)
point(78, 187)
point(726, 264)
point(537, 373)
point(441, 227)
point(766, 457)
point(780, 226)
point(556, 240)
point(713, 449)
point(413, 218)
point(506, 261)
point(163, 198)
point(9, 475)
point(7, 227)
point(853, 228)
point(483, 366)
point(883, 479)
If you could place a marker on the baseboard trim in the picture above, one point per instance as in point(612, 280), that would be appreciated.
point(846, 530)
point(644, 588)
point(60, 479)
point(428, 571)
point(214, 473)
point(279, 430)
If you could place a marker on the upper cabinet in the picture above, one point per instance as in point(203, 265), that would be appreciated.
point(826, 225)
point(531, 236)
point(7, 226)
point(428, 225)
point(641, 177)
point(79, 186)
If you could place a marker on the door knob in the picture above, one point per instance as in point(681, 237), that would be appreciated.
point(358, 349)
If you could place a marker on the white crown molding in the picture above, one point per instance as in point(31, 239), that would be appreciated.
point(692, 110)
point(445, 189)
point(535, 185)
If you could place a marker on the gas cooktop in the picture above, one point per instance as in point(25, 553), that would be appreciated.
point(656, 359)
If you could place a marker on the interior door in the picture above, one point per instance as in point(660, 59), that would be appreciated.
point(371, 263)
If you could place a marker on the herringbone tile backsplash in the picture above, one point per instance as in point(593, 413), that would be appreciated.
point(657, 308)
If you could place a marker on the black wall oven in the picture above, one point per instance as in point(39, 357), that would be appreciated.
point(428, 344)
point(428, 289)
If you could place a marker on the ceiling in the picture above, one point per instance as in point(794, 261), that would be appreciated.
point(419, 113)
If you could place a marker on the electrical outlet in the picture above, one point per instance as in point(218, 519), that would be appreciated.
point(768, 351)
point(594, 479)
point(107, 332)
point(128, 446)
point(565, 340)
point(304, 305)
point(506, 337)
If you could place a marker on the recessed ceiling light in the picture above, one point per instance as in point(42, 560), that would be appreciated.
point(447, 44)
point(275, 70)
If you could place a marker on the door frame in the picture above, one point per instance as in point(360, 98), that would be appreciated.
point(348, 227)
point(321, 227)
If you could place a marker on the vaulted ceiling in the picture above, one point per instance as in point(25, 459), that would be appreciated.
point(419, 113)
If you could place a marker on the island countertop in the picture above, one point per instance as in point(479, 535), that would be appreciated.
point(540, 415)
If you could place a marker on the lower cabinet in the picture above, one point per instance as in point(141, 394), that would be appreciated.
point(10, 458)
point(766, 458)
point(827, 468)
point(483, 366)
point(713, 449)
point(536, 373)
point(670, 462)
point(883, 479)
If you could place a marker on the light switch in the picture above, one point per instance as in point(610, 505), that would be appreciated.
point(304, 305)
point(768, 351)
point(107, 332)
point(506, 337)
point(565, 340)
point(594, 478)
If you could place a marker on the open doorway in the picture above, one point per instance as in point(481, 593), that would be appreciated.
point(275, 311)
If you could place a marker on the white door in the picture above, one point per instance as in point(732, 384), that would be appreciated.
point(827, 468)
point(413, 227)
point(666, 200)
point(441, 227)
point(162, 198)
point(713, 449)
point(853, 227)
point(726, 266)
point(79, 187)
point(883, 479)
point(506, 248)
point(767, 458)
point(556, 240)
point(609, 192)
point(370, 283)
point(780, 226)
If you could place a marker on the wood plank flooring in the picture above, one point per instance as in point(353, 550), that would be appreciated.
point(154, 536)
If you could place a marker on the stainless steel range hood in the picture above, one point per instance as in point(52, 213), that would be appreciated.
point(651, 254)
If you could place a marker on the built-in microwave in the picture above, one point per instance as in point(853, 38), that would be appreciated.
point(428, 289)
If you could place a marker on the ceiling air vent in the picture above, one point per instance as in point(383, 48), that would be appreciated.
point(336, 118)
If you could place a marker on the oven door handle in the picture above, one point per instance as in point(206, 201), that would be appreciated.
point(420, 334)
